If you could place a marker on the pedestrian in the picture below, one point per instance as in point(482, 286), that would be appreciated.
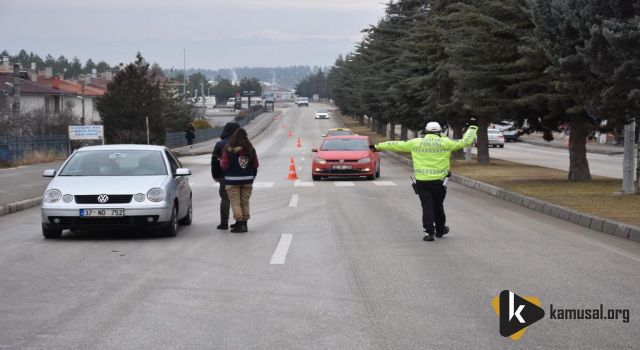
point(239, 164)
point(431, 156)
point(190, 134)
point(217, 174)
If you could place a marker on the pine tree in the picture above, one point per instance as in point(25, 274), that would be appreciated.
point(131, 97)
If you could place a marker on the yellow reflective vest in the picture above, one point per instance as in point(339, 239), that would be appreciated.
point(431, 153)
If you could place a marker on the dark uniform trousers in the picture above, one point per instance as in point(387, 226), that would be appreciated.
point(432, 195)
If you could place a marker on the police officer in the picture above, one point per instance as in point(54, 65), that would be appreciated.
point(431, 156)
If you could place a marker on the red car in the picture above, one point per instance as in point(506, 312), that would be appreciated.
point(347, 155)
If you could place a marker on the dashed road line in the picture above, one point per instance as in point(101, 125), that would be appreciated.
point(344, 184)
point(384, 183)
point(280, 254)
point(294, 200)
point(263, 184)
point(300, 183)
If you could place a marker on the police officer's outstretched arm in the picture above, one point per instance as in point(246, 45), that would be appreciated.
point(466, 140)
point(396, 146)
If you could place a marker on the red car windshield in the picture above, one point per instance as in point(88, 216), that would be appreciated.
point(339, 132)
point(345, 145)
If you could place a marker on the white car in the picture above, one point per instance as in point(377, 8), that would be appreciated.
point(302, 101)
point(117, 186)
point(322, 114)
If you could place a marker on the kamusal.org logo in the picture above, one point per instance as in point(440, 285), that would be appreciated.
point(600, 313)
point(517, 313)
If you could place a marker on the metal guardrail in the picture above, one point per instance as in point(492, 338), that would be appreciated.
point(15, 149)
point(177, 138)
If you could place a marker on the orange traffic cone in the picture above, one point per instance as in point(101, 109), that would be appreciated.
point(292, 171)
point(289, 133)
point(299, 143)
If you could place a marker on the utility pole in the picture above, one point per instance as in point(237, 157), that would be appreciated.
point(82, 120)
point(184, 73)
point(628, 162)
point(16, 96)
point(203, 105)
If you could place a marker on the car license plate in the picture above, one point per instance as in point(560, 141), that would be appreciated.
point(342, 167)
point(101, 212)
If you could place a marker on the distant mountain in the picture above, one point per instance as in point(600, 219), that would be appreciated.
point(285, 76)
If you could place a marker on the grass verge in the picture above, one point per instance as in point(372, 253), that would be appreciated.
point(599, 197)
point(35, 157)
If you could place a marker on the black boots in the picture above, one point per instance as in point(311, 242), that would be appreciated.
point(223, 227)
point(239, 227)
point(443, 231)
point(428, 237)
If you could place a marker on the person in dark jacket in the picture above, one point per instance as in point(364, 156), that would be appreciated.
point(217, 174)
point(190, 134)
point(239, 164)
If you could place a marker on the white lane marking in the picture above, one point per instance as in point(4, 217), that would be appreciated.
point(384, 183)
point(263, 184)
point(294, 200)
point(280, 254)
point(300, 183)
point(302, 159)
point(344, 184)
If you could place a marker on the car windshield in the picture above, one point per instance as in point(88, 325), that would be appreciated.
point(339, 132)
point(345, 145)
point(115, 163)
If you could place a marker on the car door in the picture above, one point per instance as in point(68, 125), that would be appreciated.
point(181, 185)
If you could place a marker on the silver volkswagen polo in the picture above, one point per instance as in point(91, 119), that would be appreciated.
point(115, 186)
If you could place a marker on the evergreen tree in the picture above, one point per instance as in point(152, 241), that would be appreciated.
point(130, 98)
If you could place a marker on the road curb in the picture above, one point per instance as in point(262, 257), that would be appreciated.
point(21, 205)
point(589, 221)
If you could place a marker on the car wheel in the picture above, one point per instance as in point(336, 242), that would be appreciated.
point(51, 234)
point(172, 226)
point(501, 146)
point(378, 172)
point(315, 177)
point(189, 217)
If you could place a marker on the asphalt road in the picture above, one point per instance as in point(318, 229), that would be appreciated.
point(325, 265)
point(599, 164)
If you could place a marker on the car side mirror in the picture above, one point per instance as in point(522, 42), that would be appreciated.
point(314, 150)
point(182, 172)
point(49, 173)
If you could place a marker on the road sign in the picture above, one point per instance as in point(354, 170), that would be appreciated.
point(86, 132)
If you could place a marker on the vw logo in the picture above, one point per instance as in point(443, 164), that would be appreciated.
point(103, 198)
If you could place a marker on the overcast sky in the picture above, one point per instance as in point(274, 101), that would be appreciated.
point(215, 33)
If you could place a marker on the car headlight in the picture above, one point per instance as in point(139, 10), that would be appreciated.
point(52, 196)
point(139, 197)
point(67, 198)
point(364, 160)
point(321, 161)
point(156, 194)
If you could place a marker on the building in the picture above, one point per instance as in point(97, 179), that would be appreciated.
point(277, 92)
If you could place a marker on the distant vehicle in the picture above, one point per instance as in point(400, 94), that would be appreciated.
point(210, 101)
point(509, 131)
point(496, 139)
point(337, 132)
point(345, 156)
point(510, 134)
point(231, 102)
point(322, 114)
point(117, 186)
point(302, 101)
